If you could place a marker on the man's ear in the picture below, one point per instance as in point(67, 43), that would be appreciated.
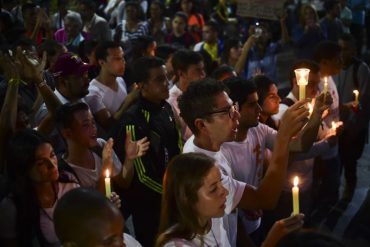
point(101, 62)
point(66, 133)
point(199, 124)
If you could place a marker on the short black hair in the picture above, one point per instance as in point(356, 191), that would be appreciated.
point(91, 4)
point(221, 71)
point(198, 100)
point(303, 63)
point(101, 51)
point(182, 15)
point(182, 59)
point(330, 4)
point(240, 88)
point(263, 84)
point(213, 24)
point(142, 67)
point(350, 39)
point(65, 113)
point(164, 51)
point(326, 50)
point(78, 208)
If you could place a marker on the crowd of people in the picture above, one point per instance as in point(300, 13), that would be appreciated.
point(177, 105)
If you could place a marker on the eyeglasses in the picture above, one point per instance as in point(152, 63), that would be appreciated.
point(231, 110)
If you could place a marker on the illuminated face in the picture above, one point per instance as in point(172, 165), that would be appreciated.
point(83, 129)
point(115, 62)
point(250, 112)
point(45, 168)
point(211, 196)
point(271, 102)
point(222, 123)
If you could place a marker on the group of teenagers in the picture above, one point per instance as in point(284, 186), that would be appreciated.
point(194, 158)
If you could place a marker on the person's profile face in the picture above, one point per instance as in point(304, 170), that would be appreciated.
point(223, 120)
point(156, 88)
point(211, 196)
point(271, 102)
point(250, 111)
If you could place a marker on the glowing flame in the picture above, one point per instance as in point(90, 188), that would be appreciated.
point(107, 173)
point(310, 108)
point(333, 125)
point(295, 181)
point(356, 92)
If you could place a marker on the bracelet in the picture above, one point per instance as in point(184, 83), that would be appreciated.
point(42, 84)
point(15, 81)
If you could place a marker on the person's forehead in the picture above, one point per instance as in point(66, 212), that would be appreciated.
point(222, 100)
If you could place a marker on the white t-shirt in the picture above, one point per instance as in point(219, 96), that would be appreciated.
point(90, 178)
point(175, 93)
point(130, 241)
point(235, 188)
point(103, 97)
point(246, 159)
point(215, 237)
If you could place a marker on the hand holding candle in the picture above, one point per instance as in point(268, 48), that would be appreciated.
point(295, 194)
point(302, 81)
point(108, 192)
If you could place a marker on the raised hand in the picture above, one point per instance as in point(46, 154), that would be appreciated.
point(282, 228)
point(32, 68)
point(10, 67)
point(135, 149)
point(294, 119)
point(322, 102)
point(115, 199)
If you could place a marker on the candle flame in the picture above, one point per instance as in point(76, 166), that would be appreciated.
point(107, 173)
point(333, 125)
point(355, 92)
point(295, 181)
point(326, 80)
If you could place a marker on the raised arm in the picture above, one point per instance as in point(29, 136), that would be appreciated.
point(267, 194)
point(304, 140)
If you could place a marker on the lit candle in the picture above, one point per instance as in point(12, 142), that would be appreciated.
point(302, 81)
point(333, 128)
point(356, 96)
point(108, 191)
point(295, 193)
point(325, 85)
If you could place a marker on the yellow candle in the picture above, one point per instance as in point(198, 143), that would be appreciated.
point(325, 84)
point(356, 96)
point(295, 193)
point(302, 92)
point(108, 191)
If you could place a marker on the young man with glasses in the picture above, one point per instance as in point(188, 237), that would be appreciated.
point(213, 118)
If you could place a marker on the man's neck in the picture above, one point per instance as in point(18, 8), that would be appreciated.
point(182, 84)
point(67, 95)
point(241, 134)
point(107, 79)
point(79, 155)
point(207, 144)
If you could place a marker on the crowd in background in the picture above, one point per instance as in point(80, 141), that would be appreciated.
point(188, 108)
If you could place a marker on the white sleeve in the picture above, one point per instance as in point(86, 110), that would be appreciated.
point(179, 243)
point(235, 189)
point(95, 101)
